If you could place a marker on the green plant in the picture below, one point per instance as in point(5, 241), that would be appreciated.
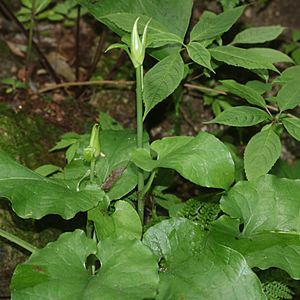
point(207, 247)
point(293, 48)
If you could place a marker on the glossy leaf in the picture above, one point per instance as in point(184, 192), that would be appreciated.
point(245, 58)
point(289, 95)
point(203, 159)
point(34, 196)
point(199, 54)
point(292, 125)
point(161, 81)
point(241, 116)
point(245, 92)
point(270, 234)
point(58, 271)
point(194, 269)
point(123, 223)
point(211, 25)
point(261, 153)
point(257, 35)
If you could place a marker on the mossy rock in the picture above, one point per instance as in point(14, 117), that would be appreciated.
point(27, 140)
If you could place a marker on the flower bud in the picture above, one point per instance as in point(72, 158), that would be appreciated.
point(138, 47)
point(93, 150)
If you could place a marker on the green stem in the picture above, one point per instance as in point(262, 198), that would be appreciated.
point(16, 240)
point(139, 118)
point(148, 184)
point(92, 174)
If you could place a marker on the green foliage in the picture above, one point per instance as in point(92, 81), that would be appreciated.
point(204, 248)
point(276, 290)
point(45, 10)
point(201, 212)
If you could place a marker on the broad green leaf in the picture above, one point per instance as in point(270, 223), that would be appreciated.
point(211, 25)
point(161, 81)
point(245, 92)
point(228, 4)
point(241, 116)
point(199, 54)
point(58, 271)
point(270, 231)
point(157, 34)
point(289, 95)
point(192, 269)
point(292, 125)
point(289, 74)
point(123, 223)
point(203, 159)
point(239, 57)
point(261, 153)
point(34, 196)
point(172, 16)
point(257, 35)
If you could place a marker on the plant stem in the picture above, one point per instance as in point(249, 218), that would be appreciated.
point(148, 184)
point(92, 174)
point(16, 240)
point(139, 119)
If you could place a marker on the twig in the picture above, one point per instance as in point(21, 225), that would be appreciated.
point(119, 83)
point(5, 10)
point(203, 89)
point(77, 43)
point(188, 120)
point(97, 56)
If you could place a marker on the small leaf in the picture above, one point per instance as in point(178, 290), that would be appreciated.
point(289, 95)
point(211, 25)
point(261, 153)
point(162, 80)
point(241, 116)
point(123, 223)
point(292, 125)
point(240, 57)
point(47, 170)
point(200, 55)
point(257, 35)
point(289, 74)
point(64, 143)
point(245, 92)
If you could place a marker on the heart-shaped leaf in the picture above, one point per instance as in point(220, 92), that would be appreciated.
point(263, 225)
point(190, 268)
point(59, 271)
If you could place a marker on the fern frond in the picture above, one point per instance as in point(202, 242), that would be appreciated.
point(200, 212)
point(275, 290)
